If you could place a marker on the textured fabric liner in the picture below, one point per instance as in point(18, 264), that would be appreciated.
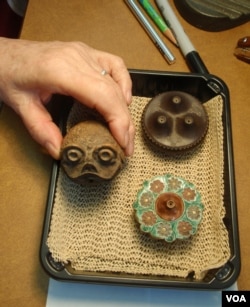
point(94, 229)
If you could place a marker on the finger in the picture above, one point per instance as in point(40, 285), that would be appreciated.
point(107, 100)
point(118, 71)
point(111, 105)
point(40, 126)
point(122, 78)
point(130, 147)
point(116, 129)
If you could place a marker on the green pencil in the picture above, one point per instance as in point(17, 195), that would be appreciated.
point(158, 20)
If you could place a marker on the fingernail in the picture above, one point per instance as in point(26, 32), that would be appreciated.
point(53, 150)
point(126, 140)
point(130, 149)
point(129, 97)
point(129, 145)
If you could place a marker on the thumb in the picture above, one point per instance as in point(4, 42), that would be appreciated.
point(41, 127)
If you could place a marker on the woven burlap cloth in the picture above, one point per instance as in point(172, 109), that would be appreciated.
point(93, 228)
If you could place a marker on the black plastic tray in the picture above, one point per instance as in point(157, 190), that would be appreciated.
point(148, 84)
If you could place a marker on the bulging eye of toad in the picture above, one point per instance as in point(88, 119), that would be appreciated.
point(73, 155)
point(107, 155)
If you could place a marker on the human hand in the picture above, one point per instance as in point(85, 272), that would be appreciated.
point(31, 72)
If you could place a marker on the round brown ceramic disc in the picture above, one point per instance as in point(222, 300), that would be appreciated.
point(175, 120)
point(169, 206)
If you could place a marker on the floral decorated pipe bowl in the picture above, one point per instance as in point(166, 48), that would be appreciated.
point(168, 208)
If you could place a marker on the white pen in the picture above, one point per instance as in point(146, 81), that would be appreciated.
point(190, 53)
point(151, 32)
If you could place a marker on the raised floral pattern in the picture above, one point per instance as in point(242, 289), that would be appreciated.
point(156, 186)
point(184, 228)
point(194, 212)
point(174, 184)
point(149, 218)
point(146, 199)
point(164, 229)
point(188, 194)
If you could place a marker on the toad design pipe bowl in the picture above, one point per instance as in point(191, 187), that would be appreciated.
point(168, 208)
point(90, 154)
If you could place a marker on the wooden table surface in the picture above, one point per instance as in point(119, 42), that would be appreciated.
point(25, 169)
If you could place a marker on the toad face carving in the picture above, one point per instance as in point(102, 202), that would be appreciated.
point(90, 154)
